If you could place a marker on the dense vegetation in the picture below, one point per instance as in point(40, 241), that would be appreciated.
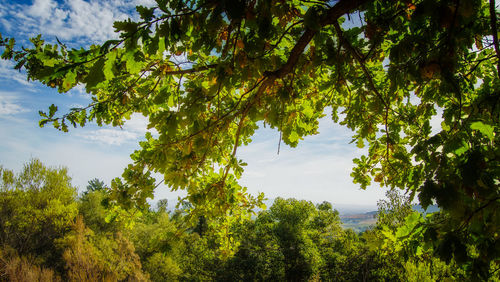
point(48, 233)
point(208, 73)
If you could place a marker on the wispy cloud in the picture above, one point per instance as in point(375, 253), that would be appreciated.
point(77, 21)
point(8, 108)
point(10, 105)
point(109, 136)
point(133, 130)
point(137, 123)
point(8, 73)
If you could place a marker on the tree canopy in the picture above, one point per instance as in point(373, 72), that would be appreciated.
point(208, 73)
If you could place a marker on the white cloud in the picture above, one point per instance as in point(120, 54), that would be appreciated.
point(8, 108)
point(436, 121)
point(147, 3)
point(110, 136)
point(8, 73)
point(137, 123)
point(79, 91)
point(4, 22)
point(92, 19)
point(317, 170)
point(10, 105)
point(77, 21)
point(133, 130)
point(42, 9)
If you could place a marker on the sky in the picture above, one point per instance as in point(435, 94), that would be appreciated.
point(317, 169)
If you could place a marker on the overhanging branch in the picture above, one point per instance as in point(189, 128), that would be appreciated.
point(494, 30)
point(332, 15)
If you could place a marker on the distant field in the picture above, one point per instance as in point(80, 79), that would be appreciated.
point(360, 222)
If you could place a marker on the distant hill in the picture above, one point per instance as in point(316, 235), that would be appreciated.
point(363, 221)
point(356, 217)
point(430, 209)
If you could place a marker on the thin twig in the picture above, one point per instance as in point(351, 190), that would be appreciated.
point(358, 58)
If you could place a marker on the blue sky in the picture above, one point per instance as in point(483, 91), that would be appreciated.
point(317, 170)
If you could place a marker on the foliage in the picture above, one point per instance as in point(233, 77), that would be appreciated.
point(91, 258)
point(95, 185)
point(259, 257)
point(393, 211)
point(82, 259)
point(207, 74)
point(42, 238)
point(100, 214)
point(293, 240)
point(162, 268)
point(20, 269)
point(37, 206)
point(432, 270)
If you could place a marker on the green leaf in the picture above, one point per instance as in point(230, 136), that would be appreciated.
point(485, 129)
point(69, 81)
point(313, 17)
point(445, 126)
point(52, 110)
point(109, 65)
point(126, 26)
point(42, 122)
point(152, 46)
point(293, 137)
point(171, 101)
point(308, 110)
point(460, 151)
point(145, 13)
point(132, 62)
point(95, 75)
point(360, 144)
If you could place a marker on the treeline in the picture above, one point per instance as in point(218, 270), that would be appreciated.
point(49, 233)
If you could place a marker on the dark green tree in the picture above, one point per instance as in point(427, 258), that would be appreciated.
point(95, 185)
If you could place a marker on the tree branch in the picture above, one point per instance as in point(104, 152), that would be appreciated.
point(332, 15)
point(494, 32)
point(342, 7)
point(358, 58)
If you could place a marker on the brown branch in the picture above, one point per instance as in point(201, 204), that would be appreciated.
point(219, 118)
point(468, 219)
point(358, 58)
point(91, 105)
point(493, 23)
point(159, 183)
point(331, 17)
point(278, 41)
point(235, 43)
point(236, 141)
point(342, 7)
point(477, 65)
point(251, 101)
